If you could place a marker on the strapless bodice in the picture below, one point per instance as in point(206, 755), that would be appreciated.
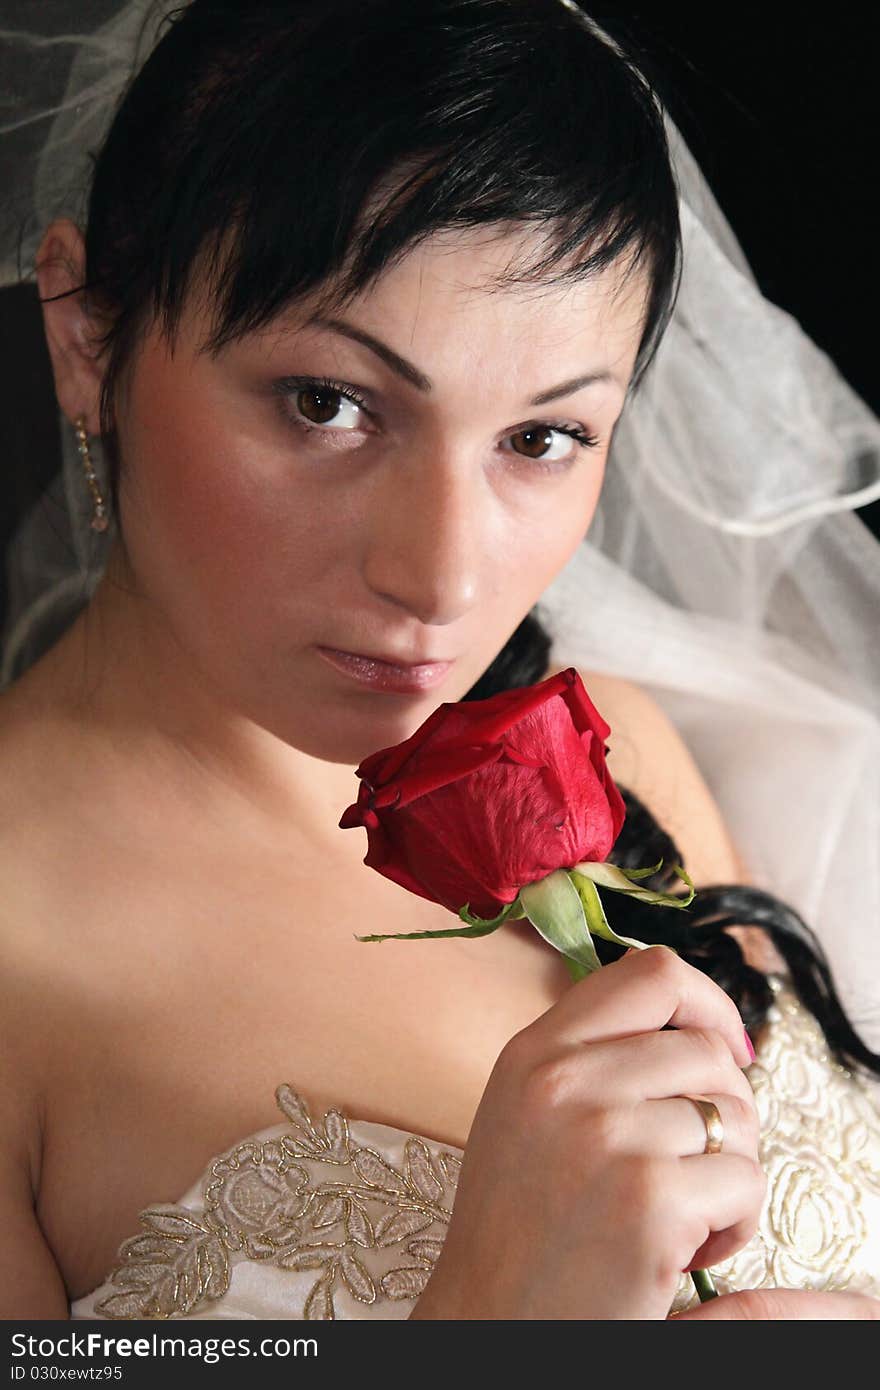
point(332, 1218)
point(344, 1218)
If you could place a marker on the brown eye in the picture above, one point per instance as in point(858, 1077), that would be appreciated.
point(536, 439)
point(318, 404)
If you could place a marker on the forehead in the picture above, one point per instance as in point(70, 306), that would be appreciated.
point(449, 302)
point(476, 272)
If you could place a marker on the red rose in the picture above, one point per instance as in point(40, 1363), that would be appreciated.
point(490, 795)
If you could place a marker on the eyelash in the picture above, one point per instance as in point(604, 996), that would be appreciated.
point(294, 384)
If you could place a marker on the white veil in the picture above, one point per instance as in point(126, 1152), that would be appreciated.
point(724, 570)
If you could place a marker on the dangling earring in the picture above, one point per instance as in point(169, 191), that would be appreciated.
point(99, 519)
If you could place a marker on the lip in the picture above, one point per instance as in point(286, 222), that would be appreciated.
point(386, 675)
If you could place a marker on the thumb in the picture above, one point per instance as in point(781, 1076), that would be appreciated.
point(784, 1304)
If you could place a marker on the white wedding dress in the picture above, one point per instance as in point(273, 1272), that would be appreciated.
point(344, 1218)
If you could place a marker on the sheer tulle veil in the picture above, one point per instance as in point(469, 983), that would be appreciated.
point(724, 570)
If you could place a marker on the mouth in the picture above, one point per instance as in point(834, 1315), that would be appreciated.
point(385, 674)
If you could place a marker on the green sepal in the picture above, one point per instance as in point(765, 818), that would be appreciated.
point(636, 874)
point(507, 914)
point(553, 906)
point(421, 935)
point(619, 881)
point(477, 926)
point(594, 912)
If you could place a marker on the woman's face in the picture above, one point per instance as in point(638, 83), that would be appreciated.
point(266, 516)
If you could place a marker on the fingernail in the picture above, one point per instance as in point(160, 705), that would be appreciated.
point(749, 1044)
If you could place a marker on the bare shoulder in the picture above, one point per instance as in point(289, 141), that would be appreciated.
point(31, 1285)
point(25, 832)
point(16, 939)
point(648, 756)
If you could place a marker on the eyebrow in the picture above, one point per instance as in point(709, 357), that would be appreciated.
point(417, 378)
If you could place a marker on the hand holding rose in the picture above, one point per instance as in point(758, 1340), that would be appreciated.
point(584, 1189)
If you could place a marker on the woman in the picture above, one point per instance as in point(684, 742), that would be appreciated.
point(300, 466)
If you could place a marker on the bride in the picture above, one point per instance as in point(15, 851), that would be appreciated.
point(361, 302)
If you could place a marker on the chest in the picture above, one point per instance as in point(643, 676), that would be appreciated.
point(173, 1021)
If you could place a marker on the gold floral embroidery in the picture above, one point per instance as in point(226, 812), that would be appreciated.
point(265, 1201)
point(264, 1204)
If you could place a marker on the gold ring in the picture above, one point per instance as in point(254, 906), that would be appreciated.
point(712, 1120)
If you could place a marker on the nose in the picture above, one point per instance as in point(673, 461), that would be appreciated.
point(427, 538)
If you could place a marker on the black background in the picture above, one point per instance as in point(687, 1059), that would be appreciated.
point(779, 106)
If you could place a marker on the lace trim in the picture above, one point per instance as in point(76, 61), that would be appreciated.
point(820, 1149)
point(266, 1201)
point(262, 1203)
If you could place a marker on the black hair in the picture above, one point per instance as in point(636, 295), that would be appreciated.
point(285, 148)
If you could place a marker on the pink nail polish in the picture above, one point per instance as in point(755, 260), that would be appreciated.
point(749, 1044)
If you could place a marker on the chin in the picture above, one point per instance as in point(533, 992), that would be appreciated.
point(351, 737)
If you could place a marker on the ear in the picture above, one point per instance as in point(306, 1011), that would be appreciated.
point(70, 327)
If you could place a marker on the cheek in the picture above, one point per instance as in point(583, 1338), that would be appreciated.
point(543, 546)
point(560, 532)
point(216, 531)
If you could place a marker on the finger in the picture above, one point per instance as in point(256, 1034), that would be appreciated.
point(676, 1127)
point(642, 992)
point(775, 1304)
point(725, 1192)
point(658, 1066)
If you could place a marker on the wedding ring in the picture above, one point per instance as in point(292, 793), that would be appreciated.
point(712, 1120)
